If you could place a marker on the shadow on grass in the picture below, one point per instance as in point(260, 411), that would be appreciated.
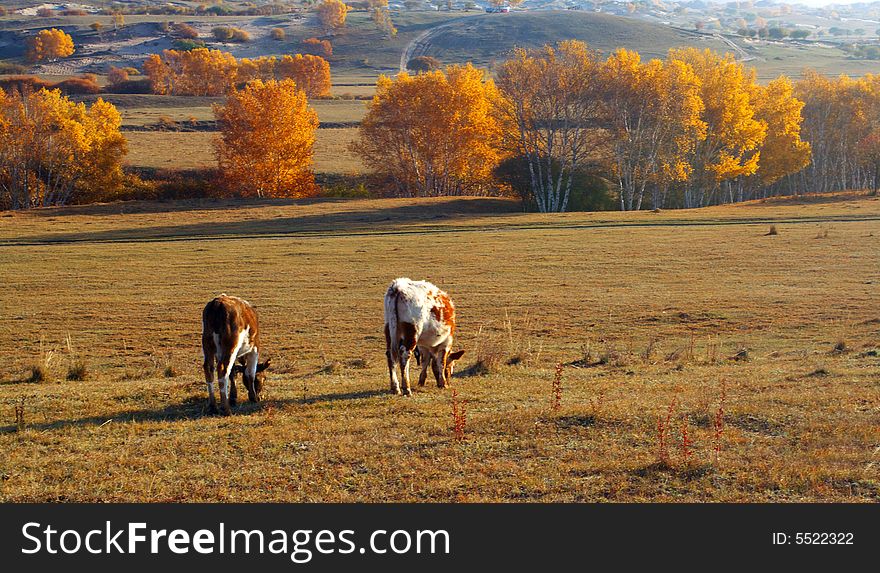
point(190, 409)
point(338, 222)
point(337, 397)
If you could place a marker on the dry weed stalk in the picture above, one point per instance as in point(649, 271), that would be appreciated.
point(557, 388)
point(459, 416)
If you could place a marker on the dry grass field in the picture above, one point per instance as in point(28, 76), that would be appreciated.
point(761, 349)
point(194, 150)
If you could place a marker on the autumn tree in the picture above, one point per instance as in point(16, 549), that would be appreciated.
point(117, 76)
point(199, 72)
point(553, 116)
point(654, 121)
point(783, 152)
point(203, 72)
point(434, 133)
point(381, 16)
point(838, 114)
point(49, 44)
point(731, 148)
point(311, 73)
point(332, 14)
point(54, 151)
point(267, 135)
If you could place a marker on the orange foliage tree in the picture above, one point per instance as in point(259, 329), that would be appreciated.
point(49, 45)
point(54, 151)
point(331, 14)
point(199, 72)
point(203, 72)
point(434, 133)
point(267, 135)
point(311, 73)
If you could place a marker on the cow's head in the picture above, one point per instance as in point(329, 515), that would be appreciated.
point(255, 386)
point(450, 362)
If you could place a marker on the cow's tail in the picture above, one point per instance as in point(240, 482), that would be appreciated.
point(391, 317)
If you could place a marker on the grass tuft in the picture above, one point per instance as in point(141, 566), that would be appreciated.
point(78, 371)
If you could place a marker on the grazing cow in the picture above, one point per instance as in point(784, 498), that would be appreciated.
point(419, 316)
point(230, 333)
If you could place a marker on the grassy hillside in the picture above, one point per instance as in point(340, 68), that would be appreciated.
point(486, 37)
point(693, 308)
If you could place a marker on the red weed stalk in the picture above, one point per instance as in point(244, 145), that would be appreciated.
point(459, 416)
point(663, 426)
point(557, 388)
point(686, 441)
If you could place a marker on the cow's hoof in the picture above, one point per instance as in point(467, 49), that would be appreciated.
point(395, 391)
point(212, 408)
point(407, 392)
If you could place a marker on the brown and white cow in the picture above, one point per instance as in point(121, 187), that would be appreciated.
point(230, 333)
point(419, 315)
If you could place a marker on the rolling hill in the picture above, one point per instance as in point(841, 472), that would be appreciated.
point(487, 37)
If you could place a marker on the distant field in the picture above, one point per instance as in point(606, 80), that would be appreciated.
point(192, 150)
point(697, 309)
point(791, 60)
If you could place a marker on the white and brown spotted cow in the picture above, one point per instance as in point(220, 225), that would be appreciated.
point(419, 315)
point(230, 333)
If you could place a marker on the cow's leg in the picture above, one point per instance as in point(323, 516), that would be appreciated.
point(391, 357)
point(409, 336)
point(208, 367)
point(250, 375)
point(233, 389)
point(224, 371)
point(440, 364)
point(438, 373)
point(427, 360)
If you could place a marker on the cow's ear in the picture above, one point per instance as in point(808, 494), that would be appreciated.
point(455, 355)
point(263, 366)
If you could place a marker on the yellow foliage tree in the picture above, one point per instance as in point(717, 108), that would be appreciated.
point(332, 14)
point(203, 72)
point(838, 113)
point(733, 133)
point(553, 116)
point(49, 45)
point(782, 151)
point(434, 133)
point(654, 114)
point(311, 73)
point(267, 135)
point(54, 151)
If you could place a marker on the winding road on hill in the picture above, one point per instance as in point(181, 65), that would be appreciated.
point(419, 45)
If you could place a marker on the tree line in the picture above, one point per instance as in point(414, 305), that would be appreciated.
point(691, 130)
point(204, 72)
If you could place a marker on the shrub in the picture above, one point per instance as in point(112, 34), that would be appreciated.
point(117, 76)
point(188, 45)
point(322, 47)
point(131, 87)
point(230, 34)
point(45, 12)
point(78, 86)
point(185, 31)
point(12, 68)
point(23, 84)
point(74, 12)
point(278, 34)
point(423, 64)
